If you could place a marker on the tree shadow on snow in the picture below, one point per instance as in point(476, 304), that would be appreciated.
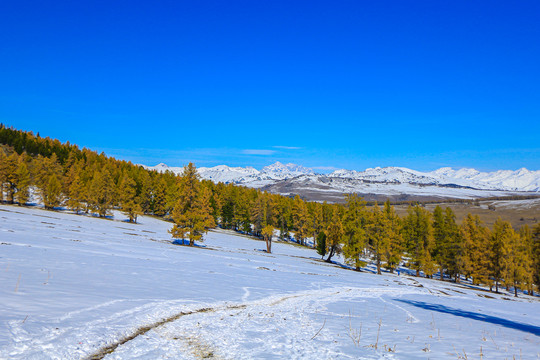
point(535, 330)
point(185, 242)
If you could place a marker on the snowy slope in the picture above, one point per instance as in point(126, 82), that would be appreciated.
point(76, 286)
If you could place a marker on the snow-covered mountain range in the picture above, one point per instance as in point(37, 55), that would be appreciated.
point(392, 181)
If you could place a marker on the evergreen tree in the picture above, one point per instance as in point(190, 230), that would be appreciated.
point(519, 262)
point(101, 192)
point(52, 196)
point(23, 182)
point(192, 214)
point(301, 220)
point(242, 212)
point(321, 244)
point(501, 238)
point(158, 199)
point(354, 237)
point(2, 170)
point(394, 250)
point(316, 216)
point(476, 249)
point(535, 254)
point(334, 236)
point(441, 240)
point(128, 192)
point(77, 188)
point(418, 235)
point(48, 175)
point(283, 217)
point(267, 233)
point(258, 215)
point(9, 169)
point(377, 232)
point(455, 252)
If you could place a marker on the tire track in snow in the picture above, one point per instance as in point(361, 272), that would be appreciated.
point(109, 349)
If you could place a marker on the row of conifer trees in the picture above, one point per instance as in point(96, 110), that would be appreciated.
point(432, 244)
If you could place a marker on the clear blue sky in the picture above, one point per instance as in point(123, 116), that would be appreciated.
point(344, 84)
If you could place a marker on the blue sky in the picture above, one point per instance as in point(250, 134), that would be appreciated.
point(326, 84)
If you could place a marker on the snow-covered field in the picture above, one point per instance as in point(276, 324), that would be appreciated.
point(80, 287)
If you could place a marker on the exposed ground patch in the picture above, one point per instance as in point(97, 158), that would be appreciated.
point(109, 349)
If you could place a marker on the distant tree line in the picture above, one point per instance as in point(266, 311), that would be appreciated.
point(426, 242)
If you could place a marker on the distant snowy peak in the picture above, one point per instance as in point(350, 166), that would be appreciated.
point(386, 175)
point(227, 174)
point(285, 171)
point(161, 167)
point(521, 179)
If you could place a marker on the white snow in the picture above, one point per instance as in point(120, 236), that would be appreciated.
point(72, 285)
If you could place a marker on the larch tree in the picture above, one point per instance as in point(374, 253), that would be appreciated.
point(283, 217)
point(394, 250)
point(48, 175)
point(418, 235)
point(77, 188)
point(102, 192)
point(192, 214)
point(535, 255)
point(519, 262)
point(9, 167)
point(158, 199)
point(301, 220)
point(476, 249)
point(128, 196)
point(501, 238)
point(23, 182)
point(441, 241)
point(455, 258)
point(354, 231)
point(377, 229)
point(267, 233)
point(258, 215)
point(334, 236)
point(316, 216)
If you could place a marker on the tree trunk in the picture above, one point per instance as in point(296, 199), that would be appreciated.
point(269, 245)
point(331, 254)
point(379, 266)
point(417, 272)
point(515, 289)
point(441, 274)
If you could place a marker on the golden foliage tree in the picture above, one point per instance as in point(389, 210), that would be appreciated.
point(192, 214)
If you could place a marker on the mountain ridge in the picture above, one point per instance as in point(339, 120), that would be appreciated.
point(446, 182)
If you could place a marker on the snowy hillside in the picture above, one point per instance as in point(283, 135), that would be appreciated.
point(395, 182)
point(522, 179)
point(76, 287)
